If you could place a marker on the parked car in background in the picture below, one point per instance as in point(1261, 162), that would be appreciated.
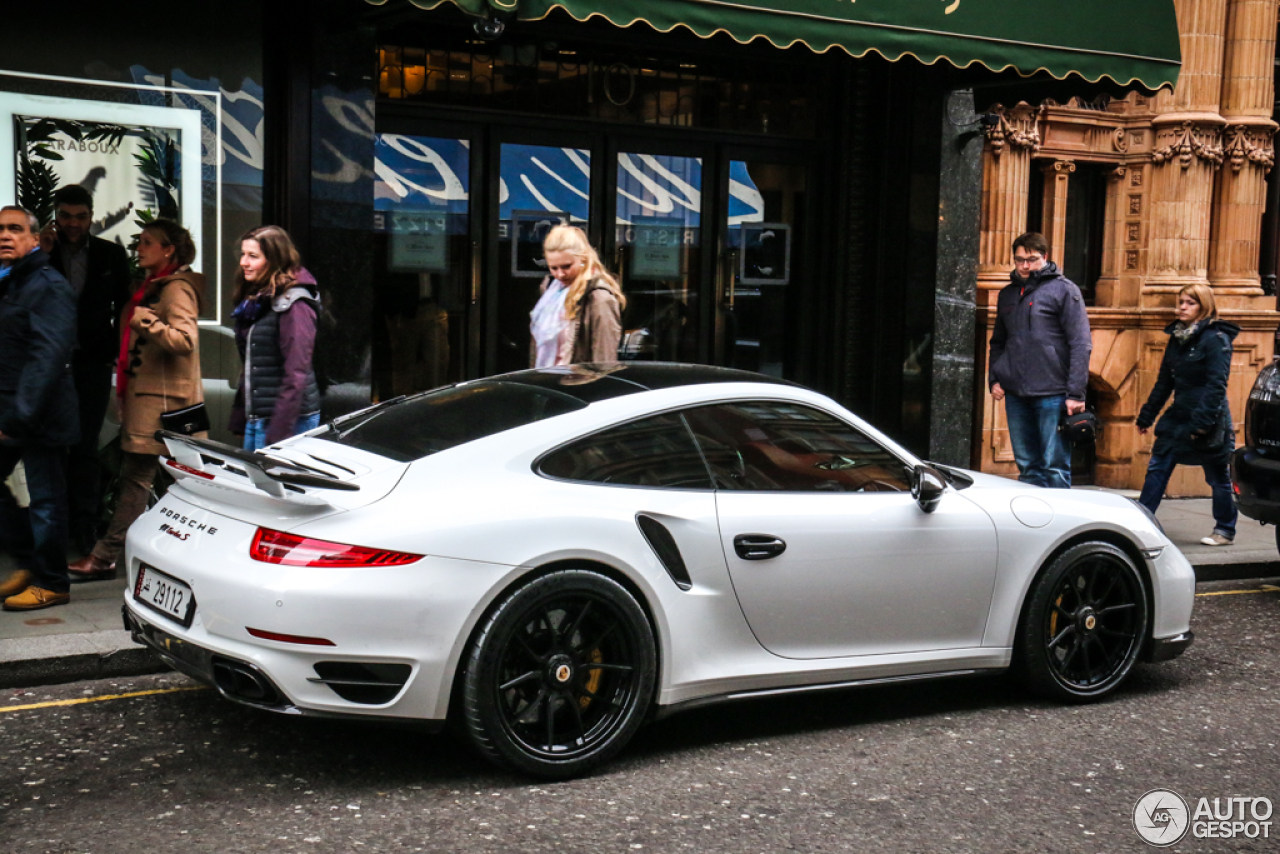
point(1255, 466)
point(552, 556)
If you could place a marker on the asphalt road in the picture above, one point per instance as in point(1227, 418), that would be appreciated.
point(961, 765)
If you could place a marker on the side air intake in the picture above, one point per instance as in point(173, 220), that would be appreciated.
point(664, 546)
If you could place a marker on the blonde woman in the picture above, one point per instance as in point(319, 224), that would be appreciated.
point(578, 318)
point(1196, 428)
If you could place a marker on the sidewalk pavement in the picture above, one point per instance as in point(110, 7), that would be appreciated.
point(85, 639)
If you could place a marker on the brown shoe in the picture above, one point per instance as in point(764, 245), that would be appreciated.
point(91, 568)
point(35, 598)
point(18, 580)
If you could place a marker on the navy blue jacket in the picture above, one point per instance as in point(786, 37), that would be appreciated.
point(1041, 344)
point(37, 334)
point(1196, 374)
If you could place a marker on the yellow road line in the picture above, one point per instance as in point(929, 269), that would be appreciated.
point(77, 702)
point(1266, 588)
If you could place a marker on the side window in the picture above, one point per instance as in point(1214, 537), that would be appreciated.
point(768, 445)
point(655, 451)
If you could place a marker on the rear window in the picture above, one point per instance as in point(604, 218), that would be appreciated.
point(428, 423)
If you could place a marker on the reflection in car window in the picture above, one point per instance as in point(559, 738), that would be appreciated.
point(655, 451)
point(772, 445)
point(428, 423)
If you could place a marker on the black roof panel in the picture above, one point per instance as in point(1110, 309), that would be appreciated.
point(601, 381)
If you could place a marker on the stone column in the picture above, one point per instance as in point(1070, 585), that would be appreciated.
point(1006, 175)
point(1240, 200)
point(1187, 153)
point(1057, 176)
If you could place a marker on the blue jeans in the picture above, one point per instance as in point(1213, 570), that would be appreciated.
point(37, 539)
point(255, 430)
point(1217, 474)
point(1041, 453)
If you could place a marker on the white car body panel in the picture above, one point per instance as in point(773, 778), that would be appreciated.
point(950, 589)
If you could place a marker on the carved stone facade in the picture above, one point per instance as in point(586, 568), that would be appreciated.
point(1185, 190)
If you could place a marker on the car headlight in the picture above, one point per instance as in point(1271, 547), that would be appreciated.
point(1149, 515)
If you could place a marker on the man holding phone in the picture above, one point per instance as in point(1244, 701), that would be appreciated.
point(98, 271)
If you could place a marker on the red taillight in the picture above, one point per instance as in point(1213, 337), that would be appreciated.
point(276, 636)
point(291, 550)
point(174, 464)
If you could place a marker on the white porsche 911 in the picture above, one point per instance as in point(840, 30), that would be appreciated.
point(552, 556)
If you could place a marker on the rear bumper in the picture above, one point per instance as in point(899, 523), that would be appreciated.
point(236, 680)
point(1257, 485)
point(1165, 649)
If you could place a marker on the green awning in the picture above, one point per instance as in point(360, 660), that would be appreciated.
point(1135, 41)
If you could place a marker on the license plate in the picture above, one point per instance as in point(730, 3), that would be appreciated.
point(162, 592)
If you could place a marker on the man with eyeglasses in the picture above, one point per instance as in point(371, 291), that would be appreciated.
point(1039, 363)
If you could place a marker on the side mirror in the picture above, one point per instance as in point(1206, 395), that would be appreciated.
point(927, 487)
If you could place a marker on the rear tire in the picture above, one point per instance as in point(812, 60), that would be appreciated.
point(560, 676)
point(1084, 624)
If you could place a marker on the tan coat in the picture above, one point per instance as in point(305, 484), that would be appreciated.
point(164, 359)
point(595, 333)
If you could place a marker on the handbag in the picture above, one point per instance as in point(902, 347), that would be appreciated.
point(188, 421)
point(1214, 439)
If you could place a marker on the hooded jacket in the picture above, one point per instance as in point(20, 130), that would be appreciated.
point(37, 333)
point(278, 381)
point(1041, 343)
point(1195, 372)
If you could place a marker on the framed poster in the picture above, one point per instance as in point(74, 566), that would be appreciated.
point(528, 230)
point(766, 253)
point(656, 247)
point(418, 241)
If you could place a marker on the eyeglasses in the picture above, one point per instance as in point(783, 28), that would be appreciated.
point(1030, 259)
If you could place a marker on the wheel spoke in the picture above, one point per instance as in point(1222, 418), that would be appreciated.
point(1061, 636)
point(551, 722)
point(621, 668)
point(1071, 653)
point(1064, 612)
point(572, 703)
point(1111, 585)
point(577, 622)
point(524, 717)
point(519, 680)
point(551, 626)
point(1112, 633)
point(524, 645)
point(595, 644)
point(1088, 665)
point(1126, 606)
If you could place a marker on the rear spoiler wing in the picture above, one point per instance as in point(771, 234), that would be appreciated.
point(203, 458)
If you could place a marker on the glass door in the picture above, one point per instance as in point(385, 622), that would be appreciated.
point(658, 252)
point(762, 273)
point(539, 186)
point(425, 265)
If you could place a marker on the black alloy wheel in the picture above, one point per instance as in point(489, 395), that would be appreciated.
point(1084, 624)
point(560, 676)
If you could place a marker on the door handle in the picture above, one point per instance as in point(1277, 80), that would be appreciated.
point(758, 546)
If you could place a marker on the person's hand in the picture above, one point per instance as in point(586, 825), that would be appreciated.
point(141, 314)
point(1075, 407)
point(997, 392)
point(48, 237)
point(1142, 431)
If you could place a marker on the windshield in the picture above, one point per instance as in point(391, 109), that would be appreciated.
point(425, 424)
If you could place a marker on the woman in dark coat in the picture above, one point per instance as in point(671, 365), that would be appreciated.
point(1197, 428)
point(277, 306)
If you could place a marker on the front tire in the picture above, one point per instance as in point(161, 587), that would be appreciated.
point(1084, 624)
point(560, 676)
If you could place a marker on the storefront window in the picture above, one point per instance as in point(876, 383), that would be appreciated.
point(580, 79)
